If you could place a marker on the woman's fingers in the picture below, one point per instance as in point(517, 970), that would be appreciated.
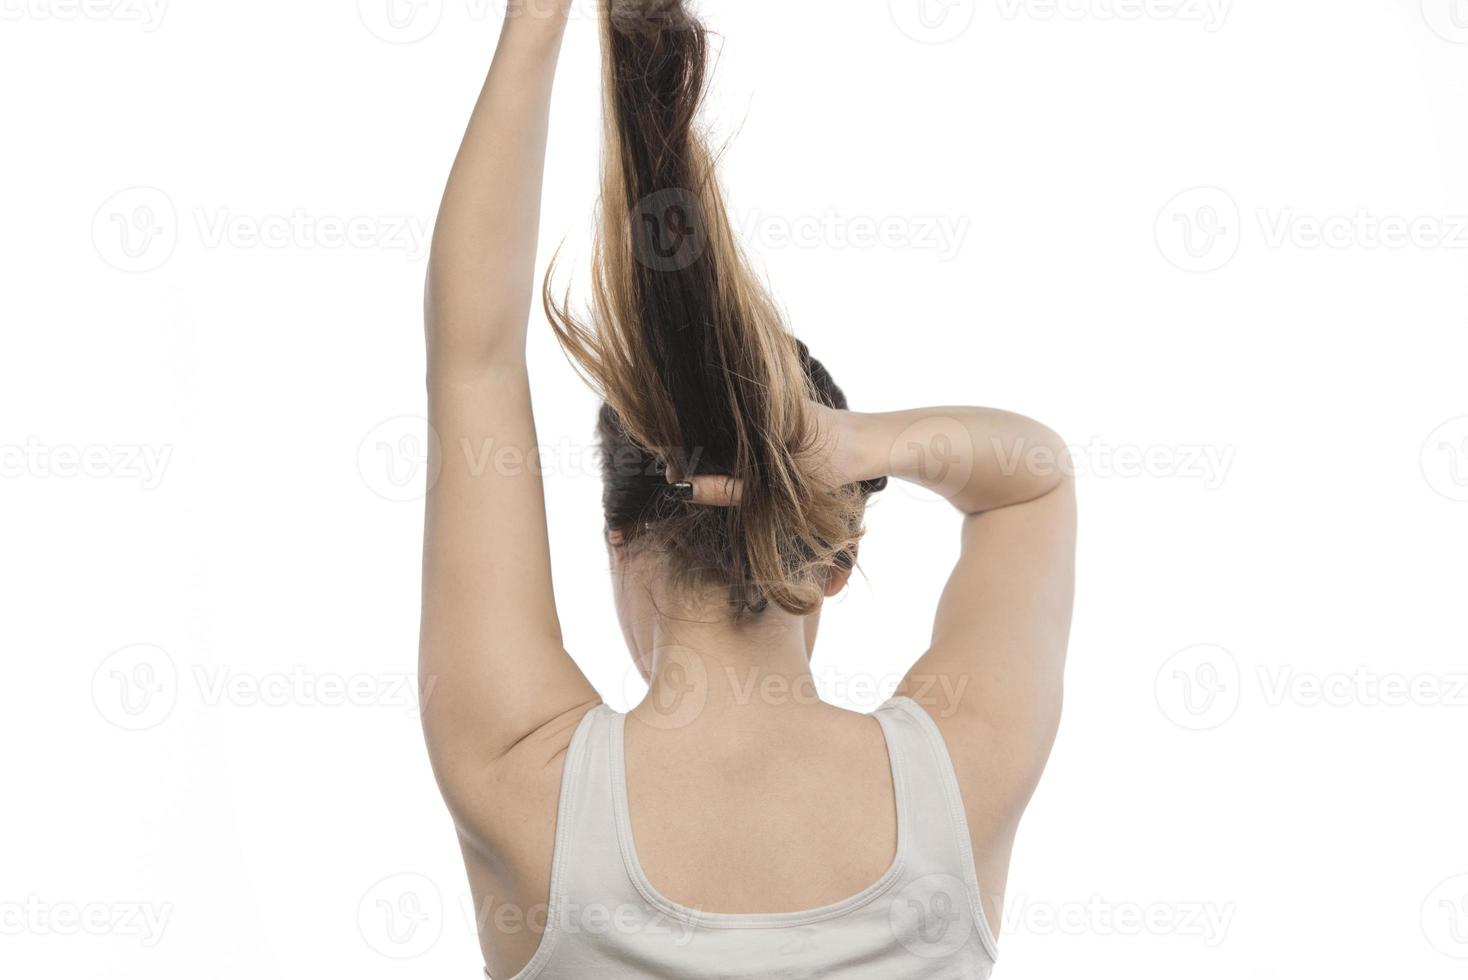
point(717, 491)
point(711, 491)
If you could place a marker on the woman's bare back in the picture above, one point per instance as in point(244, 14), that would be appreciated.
point(796, 813)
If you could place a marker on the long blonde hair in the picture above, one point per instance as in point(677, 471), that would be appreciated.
point(687, 348)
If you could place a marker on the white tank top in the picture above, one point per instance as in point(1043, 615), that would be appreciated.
point(922, 920)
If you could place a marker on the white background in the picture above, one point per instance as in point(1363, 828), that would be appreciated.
point(210, 418)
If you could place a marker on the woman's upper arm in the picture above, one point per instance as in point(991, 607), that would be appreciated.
point(493, 670)
point(492, 665)
point(993, 676)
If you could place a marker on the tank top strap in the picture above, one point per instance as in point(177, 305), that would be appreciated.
point(590, 891)
point(939, 856)
point(586, 831)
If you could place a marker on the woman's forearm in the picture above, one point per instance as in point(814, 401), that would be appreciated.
point(482, 266)
point(980, 459)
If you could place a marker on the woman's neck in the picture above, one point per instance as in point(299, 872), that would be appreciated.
point(710, 672)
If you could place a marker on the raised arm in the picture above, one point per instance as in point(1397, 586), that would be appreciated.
point(992, 676)
point(999, 637)
point(491, 661)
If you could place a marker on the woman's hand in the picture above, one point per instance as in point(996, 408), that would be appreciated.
point(979, 459)
point(849, 454)
point(851, 444)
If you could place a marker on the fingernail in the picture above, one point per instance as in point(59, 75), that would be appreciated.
point(682, 491)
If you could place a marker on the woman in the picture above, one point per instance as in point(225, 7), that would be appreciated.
point(730, 825)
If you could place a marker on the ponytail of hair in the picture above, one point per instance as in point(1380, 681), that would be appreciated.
point(687, 348)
